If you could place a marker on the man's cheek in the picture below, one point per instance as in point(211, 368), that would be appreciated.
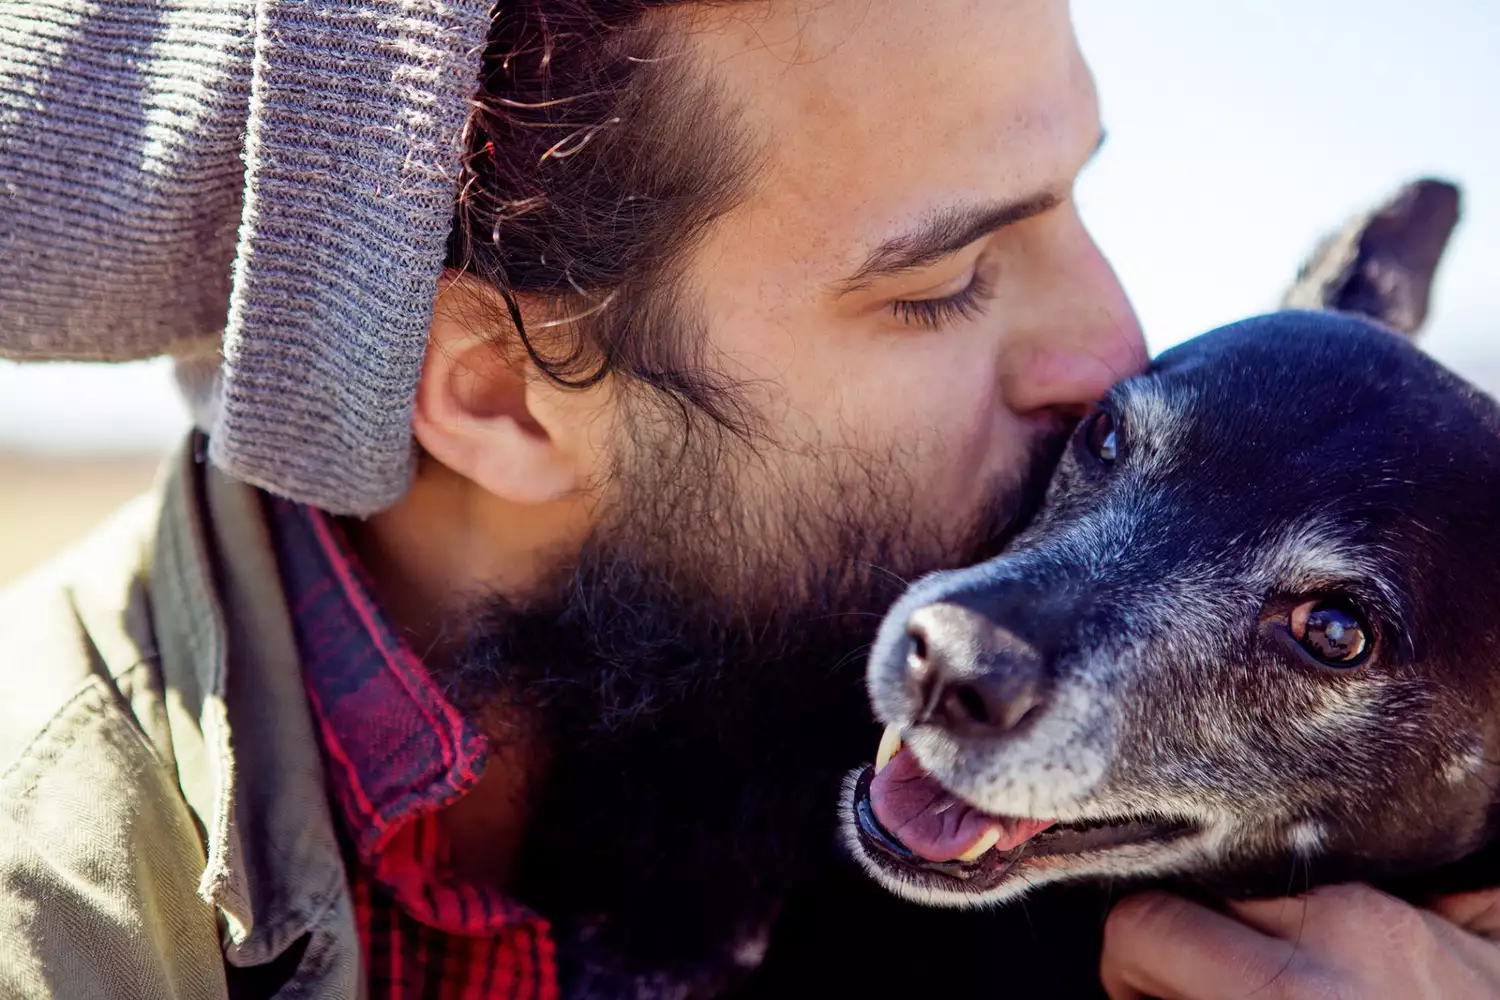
point(960, 459)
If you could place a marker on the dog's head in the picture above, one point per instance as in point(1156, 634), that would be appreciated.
point(1252, 636)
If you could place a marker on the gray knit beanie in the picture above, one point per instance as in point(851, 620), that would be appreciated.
point(262, 189)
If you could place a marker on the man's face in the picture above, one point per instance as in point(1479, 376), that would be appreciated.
point(869, 284)
point(914, 313)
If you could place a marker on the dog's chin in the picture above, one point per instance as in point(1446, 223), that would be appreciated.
point(1100, 846)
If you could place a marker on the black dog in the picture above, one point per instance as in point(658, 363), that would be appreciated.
point(1250, 640)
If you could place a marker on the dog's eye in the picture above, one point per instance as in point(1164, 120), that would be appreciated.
point(1331, 632)
point(1100, 436)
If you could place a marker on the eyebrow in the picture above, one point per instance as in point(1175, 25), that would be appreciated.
point(947, 232)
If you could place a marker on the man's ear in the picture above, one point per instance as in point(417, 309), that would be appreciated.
point(484, 411)
point(1382, 264)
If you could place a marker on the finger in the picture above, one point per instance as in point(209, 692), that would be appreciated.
point(1163, 946)
point(1347, 918)
point(1124, 991)
point(1281, 918)
point(1476, 912)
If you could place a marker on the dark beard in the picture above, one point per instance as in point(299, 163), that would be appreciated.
point(701, 699)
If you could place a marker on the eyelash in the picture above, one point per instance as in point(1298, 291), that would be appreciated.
point(934, 314)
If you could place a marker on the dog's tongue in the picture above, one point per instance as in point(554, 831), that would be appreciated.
point(932, 823)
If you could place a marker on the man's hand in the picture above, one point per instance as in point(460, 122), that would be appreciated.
point(1348, 942)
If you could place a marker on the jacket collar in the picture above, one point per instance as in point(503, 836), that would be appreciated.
point(241, 727)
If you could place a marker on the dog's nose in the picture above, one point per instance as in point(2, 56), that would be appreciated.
point(967, 674)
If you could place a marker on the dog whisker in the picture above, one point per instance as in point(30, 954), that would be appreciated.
point(898, 578)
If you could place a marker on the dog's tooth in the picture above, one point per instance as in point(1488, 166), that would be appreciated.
point(890, 745)
point(990, 839)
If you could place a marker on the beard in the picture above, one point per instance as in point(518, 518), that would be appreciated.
point(696, 675)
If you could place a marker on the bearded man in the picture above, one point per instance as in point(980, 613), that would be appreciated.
point(748, 312)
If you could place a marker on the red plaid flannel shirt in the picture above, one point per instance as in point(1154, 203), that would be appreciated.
point(397, 752)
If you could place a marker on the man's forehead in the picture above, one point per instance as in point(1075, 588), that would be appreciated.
point(876, 115)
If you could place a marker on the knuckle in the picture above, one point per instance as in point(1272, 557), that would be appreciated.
point(1367, 929)
point(1315, 984)
point(1155, 910)
point(1147, 921)
point(1344, 895)
point(1363, 909)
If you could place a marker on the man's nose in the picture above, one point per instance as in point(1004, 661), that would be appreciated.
point(968, 675)
point(1085, 336)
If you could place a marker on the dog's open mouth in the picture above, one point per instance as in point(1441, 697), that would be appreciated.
point(908, 821)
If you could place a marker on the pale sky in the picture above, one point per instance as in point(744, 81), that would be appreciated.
point(1239, 132)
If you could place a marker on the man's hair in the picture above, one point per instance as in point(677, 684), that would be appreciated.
point(595, 158)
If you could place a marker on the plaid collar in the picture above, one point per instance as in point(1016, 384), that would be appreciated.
point(396, 750)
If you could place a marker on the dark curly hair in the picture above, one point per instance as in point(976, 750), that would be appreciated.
point(595, 157)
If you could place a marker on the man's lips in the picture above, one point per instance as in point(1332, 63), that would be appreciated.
point(933, 823)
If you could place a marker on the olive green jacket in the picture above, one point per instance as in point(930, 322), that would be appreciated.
point(164, 829)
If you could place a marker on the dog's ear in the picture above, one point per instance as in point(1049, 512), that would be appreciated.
point(1381, 265)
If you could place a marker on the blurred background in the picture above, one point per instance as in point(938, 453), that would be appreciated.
point(1240, 131)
